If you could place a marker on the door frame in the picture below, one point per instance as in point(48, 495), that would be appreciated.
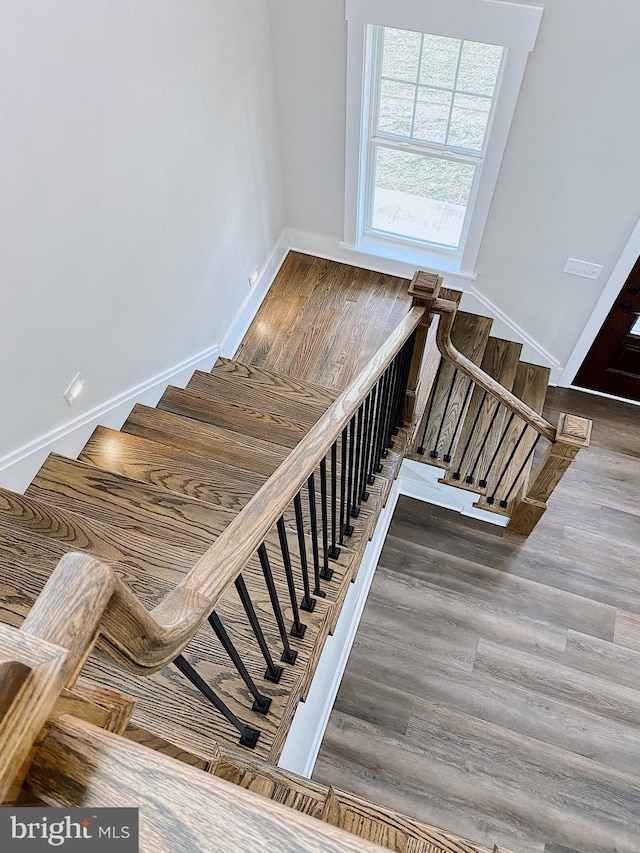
point(612, 288)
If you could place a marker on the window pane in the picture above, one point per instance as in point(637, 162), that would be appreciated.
point(479, 67)
point(439, 61)
point(469, 121)
point(635, 329)
point(432, 115)
point(421, 197)
point(401, 54)
point(396, 108)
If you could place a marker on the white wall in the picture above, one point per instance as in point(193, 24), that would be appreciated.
point(141, 184)
point(570, 177)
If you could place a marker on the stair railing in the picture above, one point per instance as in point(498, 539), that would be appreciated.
point(290, 531)
point(496, 466)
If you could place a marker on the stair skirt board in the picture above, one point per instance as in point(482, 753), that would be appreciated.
point(312, 716)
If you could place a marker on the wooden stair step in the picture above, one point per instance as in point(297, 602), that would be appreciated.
point(237, 417)
point(129, 504)
point(448, 401)
point(170, 707)
point(224, 486)
point(278, 785)
point(154, 512)
point(500, 361)
point(150, 568)
point(225, 385)
point(288, 387)
point(213, 443)
point(530, 385)
point(170, 468)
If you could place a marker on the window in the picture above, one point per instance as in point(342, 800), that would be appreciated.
point(432, 86)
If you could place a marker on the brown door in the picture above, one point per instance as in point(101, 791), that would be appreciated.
point(612, 364)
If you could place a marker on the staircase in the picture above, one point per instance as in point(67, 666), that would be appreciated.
point(220, 532)
point(477, 435)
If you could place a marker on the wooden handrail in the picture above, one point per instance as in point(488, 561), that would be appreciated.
point(146, 641)
point(447, 311)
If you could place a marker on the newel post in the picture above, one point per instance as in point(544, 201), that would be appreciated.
point(573, 433)
point(424, 288)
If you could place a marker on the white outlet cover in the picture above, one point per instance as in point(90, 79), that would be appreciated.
point(253, 278)
point(75, 387)
point(583, 268)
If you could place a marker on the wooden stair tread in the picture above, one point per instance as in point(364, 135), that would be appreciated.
point(225, 487)
point(171, 468)
point(235, 416)
point(213, 443)
point(470, 335)
point(278, 383)
point(530, 385)
point(500, 361)
point(148, 567)
point(226, 386)
point(129, 504)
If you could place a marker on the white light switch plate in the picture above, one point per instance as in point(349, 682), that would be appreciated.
point(583, 268)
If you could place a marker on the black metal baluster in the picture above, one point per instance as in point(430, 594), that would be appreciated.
point(313, 515)
point(307, 603)
point(383, 452)
point(273, 672)
point(457, 474)
point(297, 629)
point(289, 655)
point(461, 414)
point(334, 551)
point(420, 449)
point(375, 459)
point(483, 444)
point(343, 486)
point(348, 527)
point(434, 453)
point(248, 736)
point(327, 573)
point(388, 434)
point(261, 703)
point(355, 505)
point(366, 439)
point(483, 482)
point(503, 503)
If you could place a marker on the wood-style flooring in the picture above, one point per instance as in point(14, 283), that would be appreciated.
point(494, 684)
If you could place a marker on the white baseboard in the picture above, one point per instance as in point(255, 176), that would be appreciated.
point(310, 721)
point(504, 327)
point(254, 297)
point(18, 468)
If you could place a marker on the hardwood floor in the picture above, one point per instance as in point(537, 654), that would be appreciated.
point(322, 321)
point(494, 684)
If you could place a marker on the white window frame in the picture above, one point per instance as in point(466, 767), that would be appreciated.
point(511, 25)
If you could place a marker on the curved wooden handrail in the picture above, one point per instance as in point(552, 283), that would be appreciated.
point(447, 311)
point(84, 593)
